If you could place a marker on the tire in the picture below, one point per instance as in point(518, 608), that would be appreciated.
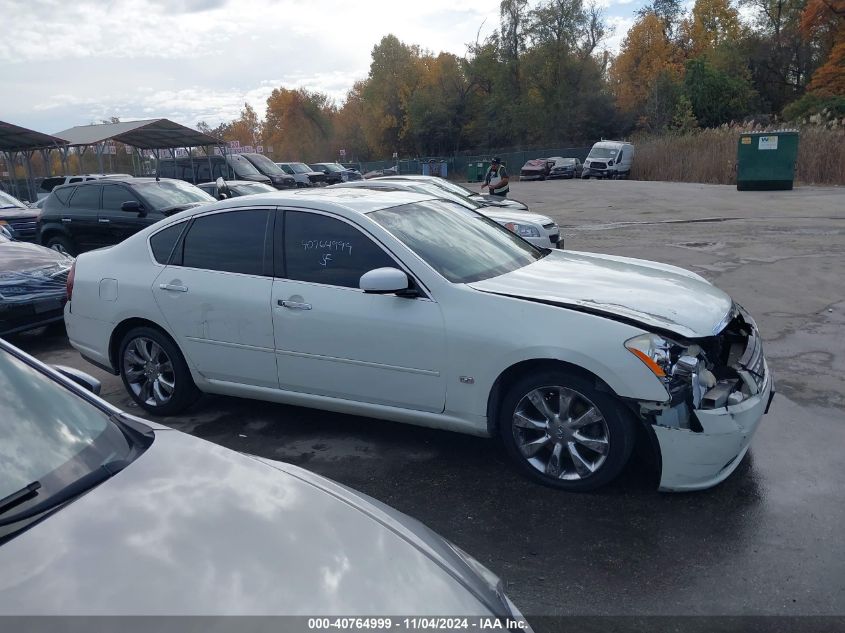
point(62, 244)
point(155, 373)
point(592, 442)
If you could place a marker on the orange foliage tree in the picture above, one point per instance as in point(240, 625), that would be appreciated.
point(826, 19)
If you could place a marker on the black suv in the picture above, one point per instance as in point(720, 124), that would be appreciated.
point(279, 178)
point(89, 215)
point(209, 169)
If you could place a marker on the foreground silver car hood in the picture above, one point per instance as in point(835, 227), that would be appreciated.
point(649, 293)
point(196, 529)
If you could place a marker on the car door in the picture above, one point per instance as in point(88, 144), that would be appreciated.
point(215, 295)
point(333, 339)
point(80, 218)
point(121, 224)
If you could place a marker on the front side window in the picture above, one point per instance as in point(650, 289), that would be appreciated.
point(86, 198)
point(63, 195)
point(234, 242)
point(324, 250)
point(287, 169)
point(458, 243)
point(114, 197)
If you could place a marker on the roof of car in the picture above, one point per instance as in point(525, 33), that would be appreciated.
point(129, 180)
point(325, 198)
point(229, 183)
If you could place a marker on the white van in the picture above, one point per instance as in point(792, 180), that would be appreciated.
point(609, 159)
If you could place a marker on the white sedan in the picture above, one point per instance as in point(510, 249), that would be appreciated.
point(409, 308)
point(538, 229)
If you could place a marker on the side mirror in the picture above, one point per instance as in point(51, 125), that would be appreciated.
point(133, 206)
point(386, 281)
point(222, 196)
point(80, 378)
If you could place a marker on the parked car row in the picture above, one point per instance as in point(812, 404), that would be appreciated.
point(607, 159)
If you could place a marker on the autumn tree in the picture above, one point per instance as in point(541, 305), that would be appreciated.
point(711, 24)
point(826, 18)
point(298, 124)
point(647, 54)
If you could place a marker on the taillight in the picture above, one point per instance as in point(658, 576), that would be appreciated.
point(70, 277)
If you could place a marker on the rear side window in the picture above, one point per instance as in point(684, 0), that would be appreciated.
point(323, 250)
point(86, 198)
point(162, 243)
point(75, 180)
point(234, 242)
point(63, 195)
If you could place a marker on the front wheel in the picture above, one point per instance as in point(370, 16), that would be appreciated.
point(563, 432)
point(155, 373)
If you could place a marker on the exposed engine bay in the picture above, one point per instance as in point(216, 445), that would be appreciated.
point(707, 373)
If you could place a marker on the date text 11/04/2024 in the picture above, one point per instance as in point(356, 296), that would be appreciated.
point(418, 623)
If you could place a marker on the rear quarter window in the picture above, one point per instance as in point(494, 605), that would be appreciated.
point(163, 242)
point(63, 195)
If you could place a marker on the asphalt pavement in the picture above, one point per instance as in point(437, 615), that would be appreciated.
point(768, 541)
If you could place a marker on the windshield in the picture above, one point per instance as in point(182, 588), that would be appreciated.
point(256, 187)
point(265, 165)
point(7, 201)
point(165, 194)
point(455, 188)
point(242, 167)
point(460, 244)
point(602, 152)
point(432, 190)
point(301, 168)
point(333, 167)
point(49, 434)
point(566, 161)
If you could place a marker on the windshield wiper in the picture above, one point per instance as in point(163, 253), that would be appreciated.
point(17, 498)
point(83, 484)
point(179, 207)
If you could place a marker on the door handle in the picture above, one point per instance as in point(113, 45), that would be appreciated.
point(103, 220)
point(67, 220)
point(173, 287)
point(294, 305)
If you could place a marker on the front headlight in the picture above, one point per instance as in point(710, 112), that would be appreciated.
point(655, 351)
point(523, 230)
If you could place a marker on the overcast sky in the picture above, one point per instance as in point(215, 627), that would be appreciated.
point(73, 63)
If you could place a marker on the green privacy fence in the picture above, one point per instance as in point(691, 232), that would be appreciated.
point(460, 167)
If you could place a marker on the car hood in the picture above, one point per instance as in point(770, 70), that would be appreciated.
point(23, 256)
point(500, 214)
point(14, 213)
point(647, 293)
point(196, 529)
point(498, 201)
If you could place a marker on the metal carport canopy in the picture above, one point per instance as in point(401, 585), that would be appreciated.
point(14, 138)
point(146, 134)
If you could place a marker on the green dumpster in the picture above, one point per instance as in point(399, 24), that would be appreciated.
point(765, 161)
point(476, 170)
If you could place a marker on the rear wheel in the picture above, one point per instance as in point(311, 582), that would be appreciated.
point(62, 244)
point(155, 373)
point(563, 432)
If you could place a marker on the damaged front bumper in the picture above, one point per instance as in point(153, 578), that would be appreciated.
point(720, 389)
point(695, 460)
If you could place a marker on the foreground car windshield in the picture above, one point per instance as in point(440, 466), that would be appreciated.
point(10, 202)
point(458, 243)
point(602, 152)
point(170, 193)
point(49, 435)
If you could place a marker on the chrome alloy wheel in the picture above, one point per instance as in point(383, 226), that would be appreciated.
point(149, 372)
point(561, 433)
